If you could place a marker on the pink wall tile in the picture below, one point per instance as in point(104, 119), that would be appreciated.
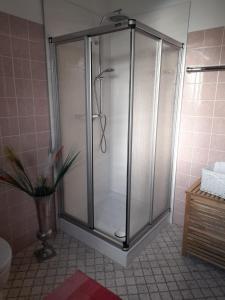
point(195, 39)
point(220, 93)
point(28, 142)
point(22, 68)
point(3, 107)
point(43, 139)
point(219, 109)
point(19, 27)
point(37, 51)
point(38, 70)
point(195, 56)
point(9, 126)
point(202, 124)
point(196, 169)
point(29, 158)
point(24, 88)
point(198, 108)
point(211, 56)
point(2, 86)
point(184, 152)
point(11, 107)
point(5, 46)
point(218, 142)
point(187, 123)
point(203, 113)
point(200, 156)
point(36, 32)
point(13, 141)
point(218, 126)
point(214, 37)
point(206, 77)
point(215, 155)
point(4, 23)
point(41, 106)
point(9, 87)
point(40, 89)
point(183, 167)
point(20, 48)
point(201, 140)
point(27, 124)
point(25, 106)
point(206, 91)
point(182, 180)
point(221, 76)
point(222, 61)
point(42, 155)
point(7, 66)
point(42, 123)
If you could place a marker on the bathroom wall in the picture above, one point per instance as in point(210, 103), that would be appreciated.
point(24, 119)
point(202, 132)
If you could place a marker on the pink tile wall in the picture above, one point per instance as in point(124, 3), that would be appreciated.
point(24, 119)
point(202, 133)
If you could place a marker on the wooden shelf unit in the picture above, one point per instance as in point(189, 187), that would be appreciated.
point(204, 226)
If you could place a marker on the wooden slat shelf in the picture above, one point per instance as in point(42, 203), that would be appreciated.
point(204, 226)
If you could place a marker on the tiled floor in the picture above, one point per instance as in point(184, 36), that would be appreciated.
point(160, 272)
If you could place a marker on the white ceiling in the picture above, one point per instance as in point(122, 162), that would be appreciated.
point(130, 7)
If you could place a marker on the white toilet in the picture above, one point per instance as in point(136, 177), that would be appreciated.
point(5, 263)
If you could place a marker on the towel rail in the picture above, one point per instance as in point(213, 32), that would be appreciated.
point(205, 68)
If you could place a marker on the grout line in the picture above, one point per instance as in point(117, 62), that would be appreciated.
point(214, 105)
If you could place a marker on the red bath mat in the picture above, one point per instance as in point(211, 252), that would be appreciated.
point(81, 287)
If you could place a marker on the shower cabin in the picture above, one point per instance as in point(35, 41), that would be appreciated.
point(116, 104)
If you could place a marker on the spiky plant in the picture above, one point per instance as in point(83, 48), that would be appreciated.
point(45, 185)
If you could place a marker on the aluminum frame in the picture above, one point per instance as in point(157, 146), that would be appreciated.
point(86, 35)
point(130, 136)
point(155, 122)
point(113, 28)
point(89, 130)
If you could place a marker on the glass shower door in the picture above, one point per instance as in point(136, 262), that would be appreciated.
point(71, 85)
point(110, 104)
point(164, 135)
point(142, 137)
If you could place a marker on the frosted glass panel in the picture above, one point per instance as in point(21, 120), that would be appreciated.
point(162, 180)
point(70, 58)
point(110, 55)
point(144, 77)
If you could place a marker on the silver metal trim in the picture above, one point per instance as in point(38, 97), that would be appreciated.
point(98, 233)
point(116, 27)
point(147, 227)
point(130, 133)
point(89, 130)
point(155, 124)
point(174, 120)
point(205, 68)
point(90, 32)
point(142, 27)
point(178, 107)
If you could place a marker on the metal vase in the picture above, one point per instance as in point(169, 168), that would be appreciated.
point(44, 206)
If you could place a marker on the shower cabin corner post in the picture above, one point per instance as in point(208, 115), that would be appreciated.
point(54, 118)
point(176, 124)
point(89, 129)
point(132, 25)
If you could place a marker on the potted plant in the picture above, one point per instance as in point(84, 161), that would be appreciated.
point(41, 191)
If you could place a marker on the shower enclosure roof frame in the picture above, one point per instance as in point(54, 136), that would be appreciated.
point(109, 28)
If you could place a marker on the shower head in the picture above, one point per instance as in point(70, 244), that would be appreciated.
point(116, 16)
point(108, 70)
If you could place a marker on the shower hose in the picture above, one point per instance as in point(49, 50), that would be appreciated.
point(102, 120)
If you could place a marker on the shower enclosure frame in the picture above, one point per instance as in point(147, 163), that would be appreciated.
point(86, 36)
